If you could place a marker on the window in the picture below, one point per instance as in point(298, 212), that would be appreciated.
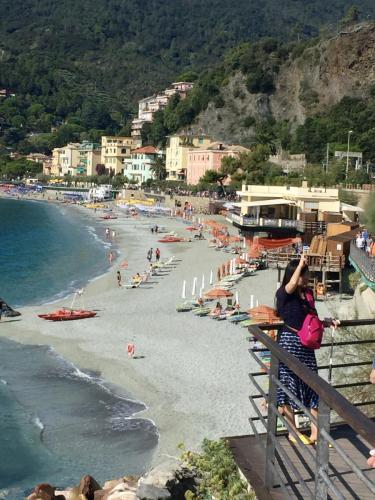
point(123, 151)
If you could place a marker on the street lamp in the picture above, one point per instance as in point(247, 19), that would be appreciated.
point(347, 154)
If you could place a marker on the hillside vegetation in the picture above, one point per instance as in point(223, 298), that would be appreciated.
point(300, 96)
point(80, 66)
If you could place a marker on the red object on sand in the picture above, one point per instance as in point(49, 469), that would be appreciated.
point(108, 217)
point(68, 315)
point(191, 228)
point(170, 239)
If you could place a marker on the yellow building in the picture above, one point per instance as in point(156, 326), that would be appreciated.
point(89, 158)
point(65, 160)
point(177, 153)
point(115, 150)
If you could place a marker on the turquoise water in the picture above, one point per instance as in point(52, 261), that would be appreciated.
point(56, 422)
point(46, 251)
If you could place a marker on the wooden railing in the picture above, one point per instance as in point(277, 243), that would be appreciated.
point(279, 467)
point(315, 261)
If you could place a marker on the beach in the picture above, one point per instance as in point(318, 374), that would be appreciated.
point(190, 372)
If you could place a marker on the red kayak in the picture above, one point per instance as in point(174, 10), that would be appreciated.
point(170, 239)
point(68, 315)
point(108, 217)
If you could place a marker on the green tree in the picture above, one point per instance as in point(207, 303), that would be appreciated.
point(158, 169)
point(352, 16)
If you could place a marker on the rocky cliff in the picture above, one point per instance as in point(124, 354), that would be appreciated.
point(319, 78)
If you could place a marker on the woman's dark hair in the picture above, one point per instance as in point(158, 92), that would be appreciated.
point(290, 269)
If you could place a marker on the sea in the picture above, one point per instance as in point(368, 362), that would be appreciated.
point(57, 422)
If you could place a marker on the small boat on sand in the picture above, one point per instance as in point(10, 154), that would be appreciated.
point(170, 239)
point(68, 314)
point(108, 217)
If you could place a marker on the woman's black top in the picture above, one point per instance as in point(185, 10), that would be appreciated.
point(291, 308)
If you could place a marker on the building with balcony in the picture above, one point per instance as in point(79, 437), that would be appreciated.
point(178, 148)
point(64, 160)
point(89, 158)
point(115, 150)
point(148, 106)
point(139, 167)
point(210, 158)
point(289, 210)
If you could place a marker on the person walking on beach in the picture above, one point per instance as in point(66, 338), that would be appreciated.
point(110, 257)
point(149, 255)
point(118, 279)
point(294, 301)
point(157, 254)
point(107, 233)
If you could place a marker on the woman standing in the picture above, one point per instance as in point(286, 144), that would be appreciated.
point(294, 300)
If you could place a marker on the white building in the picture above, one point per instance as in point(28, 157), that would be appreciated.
point(148, 106)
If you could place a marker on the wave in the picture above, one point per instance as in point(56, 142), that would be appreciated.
point(94, 233)
point(94, 379)
point(38, 423)
point(4, 382)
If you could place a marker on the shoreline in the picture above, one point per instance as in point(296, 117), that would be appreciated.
point(192, 377)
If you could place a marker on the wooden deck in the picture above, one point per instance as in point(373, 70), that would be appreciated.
point(250, 458)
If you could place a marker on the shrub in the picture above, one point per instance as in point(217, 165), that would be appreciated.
point(354, 280)
point(218, 472)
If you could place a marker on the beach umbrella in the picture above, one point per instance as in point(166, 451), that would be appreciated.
point(212, 277)
point(203, 284)
point(218, 293)
point(194, 290)
point(183, 289)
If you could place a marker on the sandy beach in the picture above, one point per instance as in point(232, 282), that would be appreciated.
point(191, 372)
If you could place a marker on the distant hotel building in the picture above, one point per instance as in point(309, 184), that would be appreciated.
point(177, 150)
point(210, 158)
point(148, 106)
point(115, 150)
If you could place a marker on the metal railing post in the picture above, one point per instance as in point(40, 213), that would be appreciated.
point(322, 451)
point(271, 423)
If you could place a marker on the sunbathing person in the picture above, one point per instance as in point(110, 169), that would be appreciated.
point(137, 278)
point(217, 311)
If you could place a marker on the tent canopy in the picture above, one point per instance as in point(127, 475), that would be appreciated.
point(263, 203)
point(345, 207)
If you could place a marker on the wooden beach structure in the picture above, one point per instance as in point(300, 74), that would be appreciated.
point(337, 466)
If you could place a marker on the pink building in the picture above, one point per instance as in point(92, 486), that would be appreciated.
point(201, 160)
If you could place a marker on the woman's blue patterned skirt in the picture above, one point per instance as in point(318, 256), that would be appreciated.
point(291, 343)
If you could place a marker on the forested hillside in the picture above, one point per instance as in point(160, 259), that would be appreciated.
point(85, 63)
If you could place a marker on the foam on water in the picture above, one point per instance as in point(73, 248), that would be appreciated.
point(58, 422)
